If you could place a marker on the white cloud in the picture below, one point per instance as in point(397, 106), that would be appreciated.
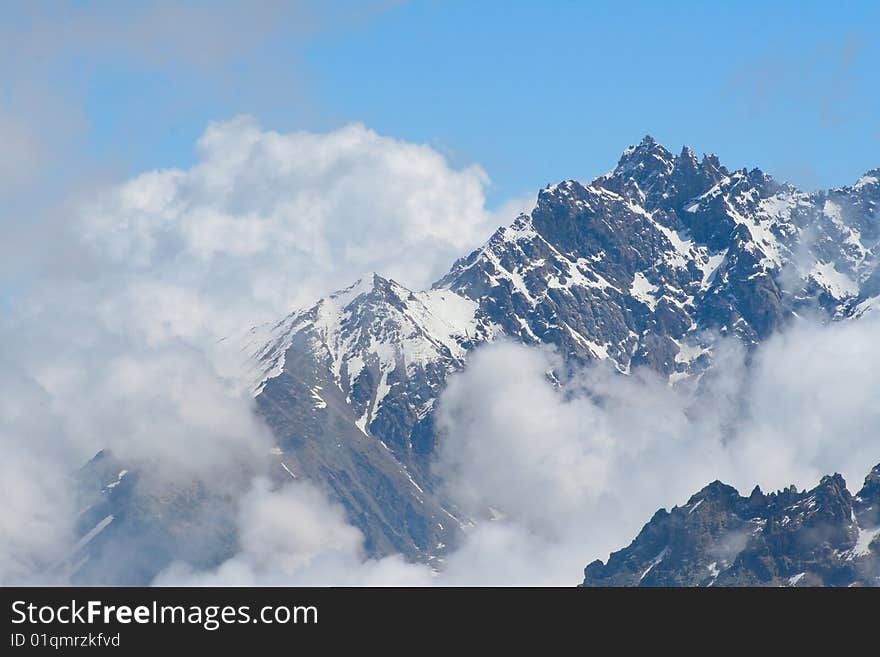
point(572, 473)
point(55, 61)
point(129, 342)
point(293, 536)
point(504, 396)
point(814, 403)
point(575, 473)
point(165, 413)
point(265, 222)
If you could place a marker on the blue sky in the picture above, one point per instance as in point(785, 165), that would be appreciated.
point(533, 91)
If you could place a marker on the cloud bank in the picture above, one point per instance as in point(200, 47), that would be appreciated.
point(575, 473)
point(558, 475)
point(71, 122)
point(266, 221)
point(124, 328)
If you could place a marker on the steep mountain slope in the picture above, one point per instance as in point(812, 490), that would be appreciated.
point(821, 537)
point(345, 385)
point(130, 531)
point(387, 349)
point(645, 266)
point(634, 267)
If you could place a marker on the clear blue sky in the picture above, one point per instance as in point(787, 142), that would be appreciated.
point(533, 91)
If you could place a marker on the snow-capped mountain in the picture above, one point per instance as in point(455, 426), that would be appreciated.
point(634, 266)
point(377, 337)
point(820, 537)
point(644, 266)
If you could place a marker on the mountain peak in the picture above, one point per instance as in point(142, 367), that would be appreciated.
point(645, 149)
point(871, 177)
point(715, 491)
point(767, 540)
point(641, 164)
point(711, 161)
point(687, 158)
point(368, 283)
point(362, 285)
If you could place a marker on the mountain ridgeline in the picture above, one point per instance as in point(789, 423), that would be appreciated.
point(821, 537)
point(645, 266)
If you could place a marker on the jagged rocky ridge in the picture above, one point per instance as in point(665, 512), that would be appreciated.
point(820, 537)
point(645, 266)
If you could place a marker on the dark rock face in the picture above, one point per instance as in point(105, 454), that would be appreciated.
point(866, 503)
point(644, 266)
point(319, 438)
point(131, 531)
point(820, 537)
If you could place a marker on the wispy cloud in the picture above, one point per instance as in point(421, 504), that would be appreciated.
point(557, 477)
point(125, 335)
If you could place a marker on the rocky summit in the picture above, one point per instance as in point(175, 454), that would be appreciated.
point(820, 537)
point(645, 266)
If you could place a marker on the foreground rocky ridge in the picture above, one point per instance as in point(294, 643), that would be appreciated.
point(645, 266)
point(821, 537)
